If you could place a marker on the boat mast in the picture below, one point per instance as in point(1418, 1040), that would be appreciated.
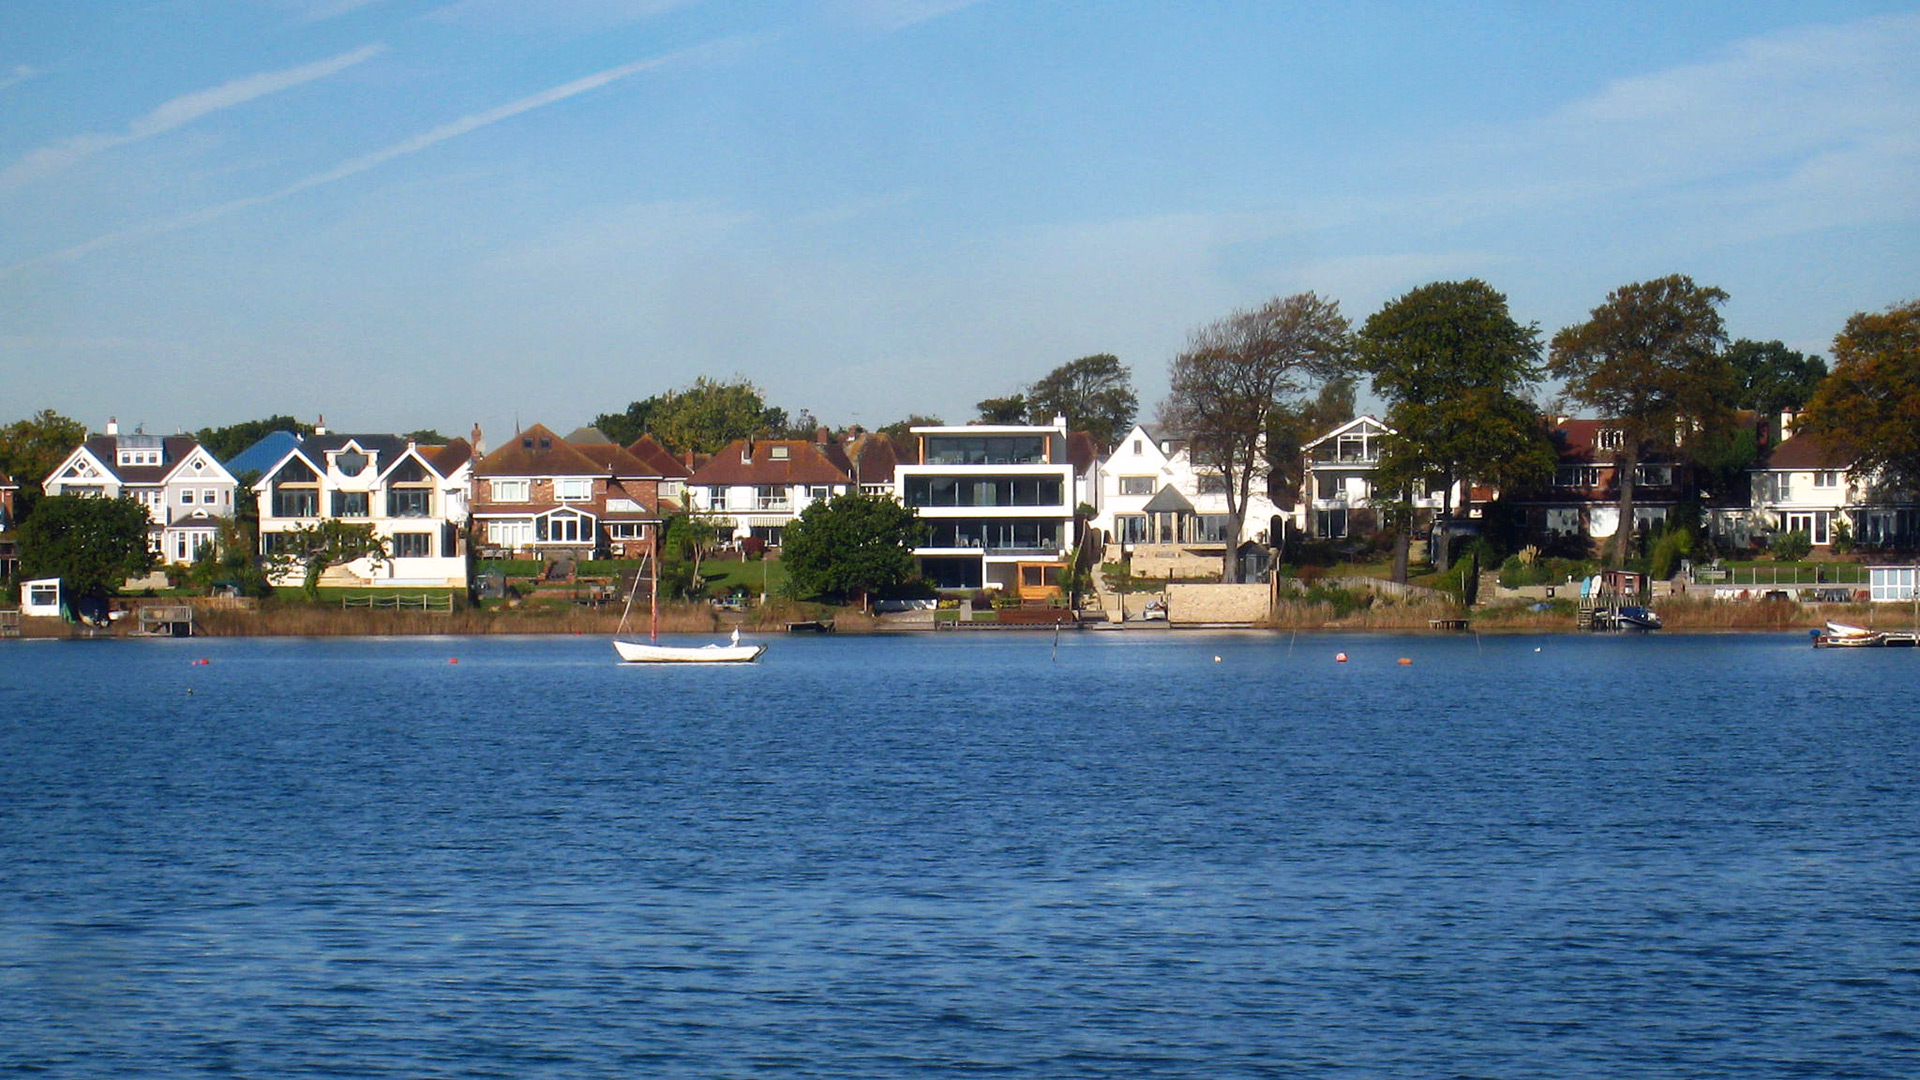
point(653, 597)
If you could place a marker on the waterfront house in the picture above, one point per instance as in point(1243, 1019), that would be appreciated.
point(756, 487)
point(1338, 489)
point(1581, 504)
point(1166, 513)
point(999, 504)
point(545, 497)
point(185, 491)
point(415, 497)
point(1804, 485)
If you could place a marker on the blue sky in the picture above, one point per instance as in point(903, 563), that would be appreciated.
point(422, 213)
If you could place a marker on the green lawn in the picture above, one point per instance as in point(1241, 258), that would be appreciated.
point(764, 575)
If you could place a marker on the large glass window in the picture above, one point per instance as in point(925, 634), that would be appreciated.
point(1130, 528)
point(984, 491)
point(511, 490)
point(986, 450)
point(573, 488)
point(412, 545)
point(410, 502)
point(998, 535)
point(347, 504)
point(1136, 485)
point(295, 502)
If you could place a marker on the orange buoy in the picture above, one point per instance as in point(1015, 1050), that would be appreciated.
point(453, 660)
point(1404, 661)
point(1340, 658)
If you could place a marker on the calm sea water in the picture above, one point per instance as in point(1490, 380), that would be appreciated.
point(1118, 856)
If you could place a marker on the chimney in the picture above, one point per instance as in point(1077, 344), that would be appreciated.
point(1787, 419)
point(113, 425)
point(746, 455)
point(479, 444)
point(320, 426)
point(823, 436)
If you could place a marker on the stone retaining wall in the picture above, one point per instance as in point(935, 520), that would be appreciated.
point(1234, 605)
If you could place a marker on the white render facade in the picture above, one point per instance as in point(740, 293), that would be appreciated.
point(185, 491)
point(415, 500)
point(998, 503)
point(1137, 505)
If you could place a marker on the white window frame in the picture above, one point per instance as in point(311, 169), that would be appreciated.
point(572, 488)
point(516, 490)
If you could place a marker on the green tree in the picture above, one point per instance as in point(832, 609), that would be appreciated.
point(689, 538)
point(1095, 394)
point(1651, 360)
point(710, 414)
point(1453, 367)
point(230, 559)
point(31, 449)
point(1004, 410)
point(1234, 372)
point(626, 427)
point(1771, 378)
point(310, 549)
point(850, 545)
point(92, 545)
point(1868, 409)
point(903, 429)
point(226, 443)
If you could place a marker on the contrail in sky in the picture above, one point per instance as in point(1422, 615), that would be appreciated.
point(357, 165)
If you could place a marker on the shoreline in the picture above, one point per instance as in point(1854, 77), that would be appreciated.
point(1686, 617)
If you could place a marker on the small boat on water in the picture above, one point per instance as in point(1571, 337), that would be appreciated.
point(652, 652)
point(1631, 617)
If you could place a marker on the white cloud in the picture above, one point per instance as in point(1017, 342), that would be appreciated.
point(50, 160)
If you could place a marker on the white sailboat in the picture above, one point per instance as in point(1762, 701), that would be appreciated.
point(652, 652)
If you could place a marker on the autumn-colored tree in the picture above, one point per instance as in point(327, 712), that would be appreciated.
point(1868, 409)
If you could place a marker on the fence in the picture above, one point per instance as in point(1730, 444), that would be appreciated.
point(439, 605)
point(1759, 576)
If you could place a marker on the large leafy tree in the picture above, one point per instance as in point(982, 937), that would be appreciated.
point(1771, 378)
point(1011, 409)
point(1295, 423)
point(1650, 359)
point(1453, 367)
point(850, 545)
point(1869, 407)
point(702, 418)
point(92, 545)
point(32, 448)
point(310, 549)
point(1095, 394)
point(226, 443)
point(1234, 373)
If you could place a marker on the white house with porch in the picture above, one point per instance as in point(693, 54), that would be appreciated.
point(1338, 481)
point(1158, 506)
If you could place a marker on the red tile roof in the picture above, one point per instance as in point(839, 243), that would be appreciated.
point(537, 451)
point(805, 463)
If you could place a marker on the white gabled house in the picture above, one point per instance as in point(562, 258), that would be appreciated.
point(186, 492)
point(756, 487)
point(1804, 485)
point(415, 497)
point(1159, 506)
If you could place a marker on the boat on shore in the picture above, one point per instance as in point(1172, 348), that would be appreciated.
point(1843, 636)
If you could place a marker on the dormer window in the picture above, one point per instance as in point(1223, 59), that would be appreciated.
point(1612, 438)
point(350, 462)
point(778, 453)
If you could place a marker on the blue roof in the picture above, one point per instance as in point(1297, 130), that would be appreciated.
point(262, 455)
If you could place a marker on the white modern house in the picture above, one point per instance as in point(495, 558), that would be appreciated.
point(415, 497)
point(185, 491)
point(999, 504)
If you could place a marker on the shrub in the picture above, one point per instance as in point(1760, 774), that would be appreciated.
point(1790, 546)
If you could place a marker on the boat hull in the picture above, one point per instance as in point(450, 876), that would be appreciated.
point(640, 652)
